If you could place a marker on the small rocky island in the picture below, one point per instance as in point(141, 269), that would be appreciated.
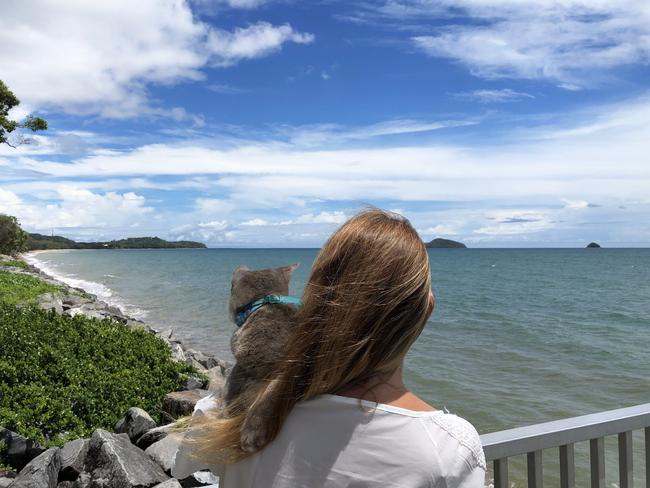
point(593, 245)
point(440, 243)
point(40, 241)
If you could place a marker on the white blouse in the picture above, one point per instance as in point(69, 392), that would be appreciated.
point(338, 442)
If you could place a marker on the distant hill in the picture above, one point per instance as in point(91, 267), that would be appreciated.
point(40, 241)
point(440, 243)
point(593, 245)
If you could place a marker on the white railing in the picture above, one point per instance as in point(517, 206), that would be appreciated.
point(563, 434)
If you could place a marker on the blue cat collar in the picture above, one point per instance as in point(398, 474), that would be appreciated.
point(242, 316)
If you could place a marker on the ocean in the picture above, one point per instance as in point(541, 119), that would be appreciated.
point(518, 336)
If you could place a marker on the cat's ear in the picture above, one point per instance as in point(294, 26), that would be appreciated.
point(239, 272)
point(288, 270)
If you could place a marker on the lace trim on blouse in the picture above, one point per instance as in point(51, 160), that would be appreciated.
point(465, 433)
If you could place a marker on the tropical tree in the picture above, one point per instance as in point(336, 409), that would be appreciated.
point(13, 239)
point(8, 101)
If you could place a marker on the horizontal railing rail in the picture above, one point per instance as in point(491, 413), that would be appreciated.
point(563, 434)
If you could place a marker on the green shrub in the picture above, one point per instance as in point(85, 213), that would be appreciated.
point(21, 288)
point(62, 377)
point(15, 263)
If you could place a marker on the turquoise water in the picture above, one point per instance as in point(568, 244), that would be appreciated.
point(518, 336)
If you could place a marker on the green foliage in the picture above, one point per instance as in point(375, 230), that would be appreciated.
point(13, 239)
point(40, 241)
point(8, 101)
point(65, 376)
point(18, 288)
point(14, 263)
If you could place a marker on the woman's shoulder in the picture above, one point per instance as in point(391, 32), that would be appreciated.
point(450, 429)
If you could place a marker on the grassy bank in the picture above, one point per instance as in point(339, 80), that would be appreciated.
point(62, 377)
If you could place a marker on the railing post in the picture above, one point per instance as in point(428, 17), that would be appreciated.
point(647, 457)
point(625, 470)
point(501, 473)
point(567, 467)
point(597, 460)
point(535, 478)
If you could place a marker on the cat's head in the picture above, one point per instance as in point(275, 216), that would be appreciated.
point(250, 285)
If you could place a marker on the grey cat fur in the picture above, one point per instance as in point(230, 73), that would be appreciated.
point(260, 342)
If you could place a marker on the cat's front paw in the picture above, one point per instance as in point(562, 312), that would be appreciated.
point(253, 434)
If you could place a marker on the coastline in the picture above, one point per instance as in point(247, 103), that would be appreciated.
point(100, 291)
point(78, 300)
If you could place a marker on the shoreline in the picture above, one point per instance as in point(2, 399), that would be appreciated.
point(94, 306)
point(98, 290)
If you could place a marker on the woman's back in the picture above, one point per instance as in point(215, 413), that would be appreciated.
point(331, 441)
point(367, 300)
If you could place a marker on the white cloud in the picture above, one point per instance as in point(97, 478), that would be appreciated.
point(334, 134)
point(602, 155)
point(255, 222)
point(76, 208)
point(254, 41)
point(99, 57)
point(561, 41)
point(559, 177)
point(247, 3)
point(493, 96)
point(336, 217)
point(324, 217)
point(576, 204)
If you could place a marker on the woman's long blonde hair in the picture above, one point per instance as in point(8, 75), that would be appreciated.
point(365, 303)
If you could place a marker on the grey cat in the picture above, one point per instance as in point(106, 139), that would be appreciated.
point(259, 341)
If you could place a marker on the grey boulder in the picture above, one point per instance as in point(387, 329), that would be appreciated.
point(49, 301)
point(72, 456)
point(180, 403)
point(40, 472)
point(203, 359)
point(113, 462)
point(135, 423)
point(201, 478)
point(5, 482)
point(164, 451)
point(18, 449)
point(193, 383)
point(154, 435)
point(170, 483)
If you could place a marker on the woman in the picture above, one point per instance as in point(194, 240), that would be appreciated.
point(340, 414)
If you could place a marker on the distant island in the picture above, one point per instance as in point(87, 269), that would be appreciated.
point(41, 242)
point(593, 245)
point(440, 243)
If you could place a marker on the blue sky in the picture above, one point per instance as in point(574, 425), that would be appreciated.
point(268, 123)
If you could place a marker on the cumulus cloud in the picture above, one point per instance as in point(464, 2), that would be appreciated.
point(76, 208)
point(560, 41)
point(255, 41)
point(100, 57)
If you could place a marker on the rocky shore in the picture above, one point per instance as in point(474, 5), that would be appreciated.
point(139, 452)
